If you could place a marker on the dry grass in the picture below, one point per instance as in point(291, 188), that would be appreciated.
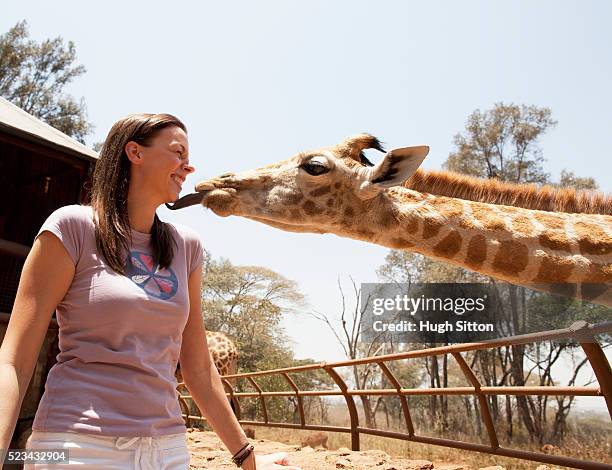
point(438, 454)
point(589, 441)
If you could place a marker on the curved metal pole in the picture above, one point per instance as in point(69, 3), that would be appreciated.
point(485, 412)
point(297, 396)
point(402, 398)
point(350, 403)
point(261, 398)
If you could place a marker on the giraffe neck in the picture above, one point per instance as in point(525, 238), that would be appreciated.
point(522, 246)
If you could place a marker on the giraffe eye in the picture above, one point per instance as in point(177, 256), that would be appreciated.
point(314, 168)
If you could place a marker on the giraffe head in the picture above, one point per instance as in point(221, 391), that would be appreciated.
point(319, 191)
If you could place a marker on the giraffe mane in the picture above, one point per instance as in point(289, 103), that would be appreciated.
point(493, 191)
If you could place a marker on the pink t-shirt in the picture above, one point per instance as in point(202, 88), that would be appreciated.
point(119, 336)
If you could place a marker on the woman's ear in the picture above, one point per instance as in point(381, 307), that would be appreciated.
point(396, 167)
point(133, 152)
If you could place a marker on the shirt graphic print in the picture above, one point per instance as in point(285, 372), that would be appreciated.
point(142, 269)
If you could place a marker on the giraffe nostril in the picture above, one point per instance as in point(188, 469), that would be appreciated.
point(226, 175)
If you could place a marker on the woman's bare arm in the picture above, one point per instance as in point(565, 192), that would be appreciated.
point(202, 377)
point(45, 279)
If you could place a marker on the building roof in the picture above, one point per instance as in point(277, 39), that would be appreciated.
point(15, 121)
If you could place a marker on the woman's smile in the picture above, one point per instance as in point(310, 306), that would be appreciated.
point(178, 180)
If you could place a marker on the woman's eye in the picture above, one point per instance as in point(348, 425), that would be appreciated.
point(314, 168)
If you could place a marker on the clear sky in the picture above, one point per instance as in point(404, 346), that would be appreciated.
point(258, 81)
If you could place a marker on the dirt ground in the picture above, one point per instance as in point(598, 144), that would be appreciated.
point(207, 451)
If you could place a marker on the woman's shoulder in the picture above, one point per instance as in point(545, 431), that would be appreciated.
point(75, 213)
point(185, 232)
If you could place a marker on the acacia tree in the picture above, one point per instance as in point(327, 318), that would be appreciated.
point(34, 76)
point(248, 303)
point(503, 143)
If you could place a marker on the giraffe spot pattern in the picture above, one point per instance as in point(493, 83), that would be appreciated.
point(592, 291)
point(431, 228)
point(554, 269)
point(386, 219)
point(294, 198)
point(311, 208)
point(476, 251)
point(320, 191)
point(592, 239)
point(449, 246)
point(563, 289)
point(411, 224)
point(511, 258)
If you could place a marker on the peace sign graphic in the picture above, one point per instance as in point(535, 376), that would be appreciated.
point(142, 269)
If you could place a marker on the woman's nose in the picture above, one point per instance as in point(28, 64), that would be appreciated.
point(189, 168)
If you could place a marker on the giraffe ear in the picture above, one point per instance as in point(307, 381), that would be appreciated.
point(396, 167)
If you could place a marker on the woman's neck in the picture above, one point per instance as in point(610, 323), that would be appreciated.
point(141, 211)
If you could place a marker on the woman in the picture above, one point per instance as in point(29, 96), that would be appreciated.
point(126, 287)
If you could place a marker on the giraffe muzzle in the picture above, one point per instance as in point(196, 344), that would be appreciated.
point(202, 188)
point(224, 182)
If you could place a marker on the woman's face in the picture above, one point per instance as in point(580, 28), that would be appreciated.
point(163, 166)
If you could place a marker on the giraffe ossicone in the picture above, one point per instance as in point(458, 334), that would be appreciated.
point(338, 190)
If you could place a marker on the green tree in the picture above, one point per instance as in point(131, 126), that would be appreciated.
point(248, 303)
point(34, 75)
point(568, 178)
point(503, 143)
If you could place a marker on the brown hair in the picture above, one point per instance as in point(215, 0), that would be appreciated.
point(110, 191)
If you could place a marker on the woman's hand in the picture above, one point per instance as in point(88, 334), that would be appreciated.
point(273, 461)
point(278, 460)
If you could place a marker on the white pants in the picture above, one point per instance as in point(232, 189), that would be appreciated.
point(90, 451)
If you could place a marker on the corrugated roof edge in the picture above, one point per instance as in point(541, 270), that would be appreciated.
point(16, 121)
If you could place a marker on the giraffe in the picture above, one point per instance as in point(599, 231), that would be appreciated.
point(337, 190)
point(223, 352)
point(224, 355)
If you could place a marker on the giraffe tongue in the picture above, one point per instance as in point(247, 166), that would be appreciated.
point(186, 201)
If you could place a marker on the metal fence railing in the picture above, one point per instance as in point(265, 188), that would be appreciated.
point(582, 332)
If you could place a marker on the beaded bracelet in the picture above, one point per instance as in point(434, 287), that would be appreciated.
point(240, 456)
